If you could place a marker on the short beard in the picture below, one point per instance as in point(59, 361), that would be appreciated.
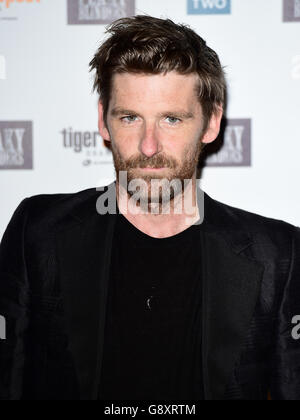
point(179, 172)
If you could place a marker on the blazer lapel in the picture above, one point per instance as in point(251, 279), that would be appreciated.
point(231, 285)
point(84, 250)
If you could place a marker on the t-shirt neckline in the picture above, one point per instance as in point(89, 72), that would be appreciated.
point(144, 239)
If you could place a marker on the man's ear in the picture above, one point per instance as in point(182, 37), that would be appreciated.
point(214, 126)
point(101, 124)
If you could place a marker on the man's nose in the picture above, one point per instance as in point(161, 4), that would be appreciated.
point(150, 144)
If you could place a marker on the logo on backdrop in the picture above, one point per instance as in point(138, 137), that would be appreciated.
point(209, 7)
point(291, 10)
point(88, 146)
point(95, 12)
point(236, 150)
point(16, 145)
point(2, 67)
point(6, 5)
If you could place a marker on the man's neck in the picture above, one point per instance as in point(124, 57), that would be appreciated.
point(182, 212)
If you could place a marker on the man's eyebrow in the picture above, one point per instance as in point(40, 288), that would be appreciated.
point(178, 114)
point(118, 111)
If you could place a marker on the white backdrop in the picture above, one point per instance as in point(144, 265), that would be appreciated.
point(45, 87)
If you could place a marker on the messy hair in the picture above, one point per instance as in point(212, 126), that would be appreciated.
point(149, 45)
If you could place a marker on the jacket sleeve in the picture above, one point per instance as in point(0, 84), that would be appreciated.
point(285, 374)
point(13, 305)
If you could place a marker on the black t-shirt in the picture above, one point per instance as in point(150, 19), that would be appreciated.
point(152, 345)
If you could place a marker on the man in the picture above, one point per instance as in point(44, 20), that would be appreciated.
point(150, 289)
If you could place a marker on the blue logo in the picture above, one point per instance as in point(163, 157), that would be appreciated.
point(209, 7)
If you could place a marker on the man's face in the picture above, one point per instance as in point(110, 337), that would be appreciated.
point(155, 125)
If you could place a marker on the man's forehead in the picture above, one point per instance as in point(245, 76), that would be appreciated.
point(127, 80)
point(128, 89)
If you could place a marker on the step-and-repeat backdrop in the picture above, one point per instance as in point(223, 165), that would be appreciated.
point(49, 141)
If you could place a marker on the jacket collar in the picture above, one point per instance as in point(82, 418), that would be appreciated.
point(231, 284)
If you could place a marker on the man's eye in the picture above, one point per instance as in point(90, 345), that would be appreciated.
point(129, 118)
point(173, 120)
point(132, 118)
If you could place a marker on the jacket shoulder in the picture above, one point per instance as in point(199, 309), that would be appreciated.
point(41, 204)
point(232, 218)
point(47, 213)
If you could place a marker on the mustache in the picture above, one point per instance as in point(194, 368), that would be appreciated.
point(153, 162)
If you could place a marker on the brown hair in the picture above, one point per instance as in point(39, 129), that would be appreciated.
point(145, 44)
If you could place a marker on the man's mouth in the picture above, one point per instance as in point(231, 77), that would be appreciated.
point(153, 169)
point(149, 168)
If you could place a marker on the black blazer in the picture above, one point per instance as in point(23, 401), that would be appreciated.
point(54, 271)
